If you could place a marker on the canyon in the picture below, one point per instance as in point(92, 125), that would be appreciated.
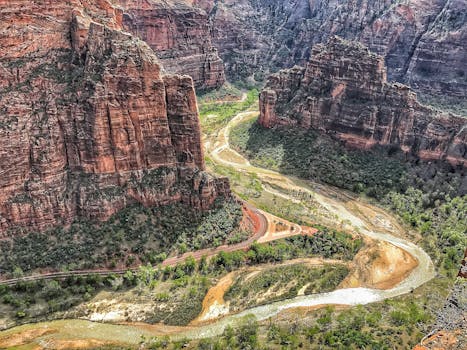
point(214, 40)
point(343, 91)
point(98, 111)
point(422, 41)
point(90, 122)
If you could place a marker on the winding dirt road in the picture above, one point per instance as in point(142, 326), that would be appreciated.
point(423, 273)
point(262, 234)
point(345, 210)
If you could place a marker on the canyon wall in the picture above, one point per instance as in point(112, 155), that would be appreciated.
point(343, 91)
point(88, 121)
point(422, 41)
point(180, 36)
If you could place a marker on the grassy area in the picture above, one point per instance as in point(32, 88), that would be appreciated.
point(283, 282)
point(227, 92)
point(214, 116)
point(248, 187)
point(175, 301)
point(135, 234)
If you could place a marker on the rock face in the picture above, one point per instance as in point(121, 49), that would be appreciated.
point(180, 36)
point(88, 122)
point(422, 41)
point(343, 91)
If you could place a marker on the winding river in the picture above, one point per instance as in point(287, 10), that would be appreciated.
point(220, 151)
point(423, 273)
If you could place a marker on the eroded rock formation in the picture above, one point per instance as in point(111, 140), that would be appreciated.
point(180, 36)
point(343, 91)
point(88, 121)
point(423, 42)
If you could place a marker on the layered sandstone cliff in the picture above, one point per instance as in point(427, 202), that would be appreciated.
point(423, 42)
point(343, 91)
point(88, 121)
point(180, 36)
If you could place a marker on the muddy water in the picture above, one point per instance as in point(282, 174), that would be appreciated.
point(340, 207)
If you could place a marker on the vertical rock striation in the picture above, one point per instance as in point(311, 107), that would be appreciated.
point(343, 91)
point(422, 41)
point(180, 36)
point(88, 122)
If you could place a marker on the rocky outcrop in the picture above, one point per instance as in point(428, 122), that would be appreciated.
point(343, 91)
point(422, 41)
point(438, 62)
point(180, 36)
point(88, 121)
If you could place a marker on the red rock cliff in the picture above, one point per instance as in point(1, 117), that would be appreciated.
point(423, 41)
point(343, 91)
point(180, 36)
point(88, 122)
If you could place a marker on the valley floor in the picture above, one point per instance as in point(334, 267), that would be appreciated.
point(389, 265)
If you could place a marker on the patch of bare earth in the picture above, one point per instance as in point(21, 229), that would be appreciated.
point(214, 304)
point(60, 344)
point(24, 337)
point(379, 265)
point(444, 340)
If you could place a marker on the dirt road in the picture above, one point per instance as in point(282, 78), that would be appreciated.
point(371, 222)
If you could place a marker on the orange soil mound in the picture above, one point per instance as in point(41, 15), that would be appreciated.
point(381, 265)
point(24, 337)
point(213, 296)
point(443, 340)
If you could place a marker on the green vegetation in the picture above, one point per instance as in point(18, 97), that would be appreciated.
point(177, 295)
point(227, 92)
point(214, 115)
point(444, 103)
point(443, 225)
point(283, 282)
point(425, 196)
point(134, 234)
point(393, 324)
point(327, 243)
point(176, 292)
point(309, 155)
point(249, 187)
point(35, 300)
point(244, 337)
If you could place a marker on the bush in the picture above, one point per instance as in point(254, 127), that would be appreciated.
point(144, 234)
